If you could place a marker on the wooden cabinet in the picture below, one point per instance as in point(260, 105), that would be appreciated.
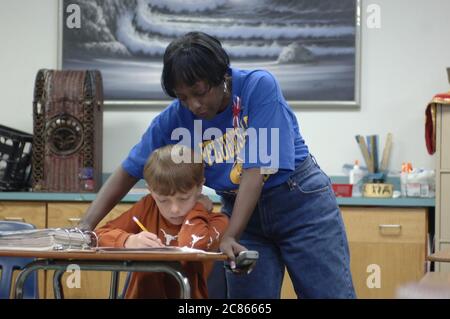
point(387, 249)
point(30, 212)
point(94, 284)
point(442, 212)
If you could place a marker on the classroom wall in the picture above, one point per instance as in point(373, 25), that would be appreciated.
point(403, 66)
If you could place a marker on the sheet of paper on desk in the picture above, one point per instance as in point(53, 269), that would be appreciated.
point(167, 249)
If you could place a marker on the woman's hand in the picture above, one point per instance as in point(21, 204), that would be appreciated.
point(230, 247)
point(205, 201)
point(143, 240)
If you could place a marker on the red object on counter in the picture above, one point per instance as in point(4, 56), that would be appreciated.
point(342, 190)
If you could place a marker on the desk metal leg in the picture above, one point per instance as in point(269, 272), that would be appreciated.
point(171, 268)
point(185, 292)
point(57, 287)
point(23, 275)
point(114, 284)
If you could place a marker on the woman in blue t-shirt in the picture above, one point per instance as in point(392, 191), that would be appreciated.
point(280, 202)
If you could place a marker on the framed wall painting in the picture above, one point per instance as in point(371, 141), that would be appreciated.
point(311, 46)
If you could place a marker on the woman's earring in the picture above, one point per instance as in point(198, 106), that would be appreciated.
point(225, 87)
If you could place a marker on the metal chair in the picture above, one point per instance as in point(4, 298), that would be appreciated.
point(9, 264)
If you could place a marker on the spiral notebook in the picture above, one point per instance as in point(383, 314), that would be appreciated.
point(48, 239)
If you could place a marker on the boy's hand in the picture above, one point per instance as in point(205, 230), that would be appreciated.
point(143, 240)
point(205, 201)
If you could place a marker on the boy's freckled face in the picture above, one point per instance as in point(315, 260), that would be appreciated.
point(175, 207)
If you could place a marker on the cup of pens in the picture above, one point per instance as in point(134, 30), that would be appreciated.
point(374, 185)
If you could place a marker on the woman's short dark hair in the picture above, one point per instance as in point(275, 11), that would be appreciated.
point(194, 57)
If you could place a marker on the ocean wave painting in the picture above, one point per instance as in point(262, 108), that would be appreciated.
point(309, 45)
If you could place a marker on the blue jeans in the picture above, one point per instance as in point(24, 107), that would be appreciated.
point(297, 224)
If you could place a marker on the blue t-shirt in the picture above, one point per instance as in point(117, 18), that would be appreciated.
point(261, 132)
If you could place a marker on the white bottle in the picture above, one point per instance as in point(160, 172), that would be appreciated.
point(356, 178)
point(403, 179)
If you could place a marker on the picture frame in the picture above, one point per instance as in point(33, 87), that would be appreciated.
point(314, 54)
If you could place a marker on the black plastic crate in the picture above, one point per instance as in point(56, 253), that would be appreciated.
point(15, 159)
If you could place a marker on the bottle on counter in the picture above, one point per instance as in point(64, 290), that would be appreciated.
point(356, 179)
point(403, 179)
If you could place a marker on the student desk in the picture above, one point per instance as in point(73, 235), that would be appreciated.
point(114, 261)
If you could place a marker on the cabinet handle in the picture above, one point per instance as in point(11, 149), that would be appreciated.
point(384, 228)
point(74, 220)
point(15, 219)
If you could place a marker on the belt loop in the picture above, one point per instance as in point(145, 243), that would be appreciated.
point(289, 182)
point(292, 184)
point(314, 160)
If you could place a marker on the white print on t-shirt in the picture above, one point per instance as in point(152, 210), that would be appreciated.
point(168, 237)
point(187, 222)
point(209, 242)
point(195, 239)
point(217, 233)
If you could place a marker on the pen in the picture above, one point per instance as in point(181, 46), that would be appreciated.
point(139, 224)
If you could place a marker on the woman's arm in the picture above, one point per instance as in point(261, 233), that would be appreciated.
point(115, 188)
point(244, 205)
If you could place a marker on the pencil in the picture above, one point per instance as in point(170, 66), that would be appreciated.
point(139, 224)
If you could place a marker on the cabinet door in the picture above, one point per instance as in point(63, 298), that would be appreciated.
point(387, 248)
point(442, 212)
point(444, 147)
point(93, 284)
point(444, 208)
point(28, 212)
